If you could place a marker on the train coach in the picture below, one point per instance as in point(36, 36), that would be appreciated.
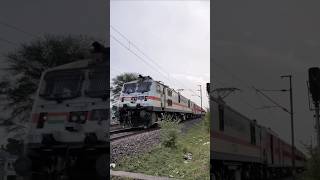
point(243, 149)
point(144, 102)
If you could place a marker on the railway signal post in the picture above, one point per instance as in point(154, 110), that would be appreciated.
point(314, 89)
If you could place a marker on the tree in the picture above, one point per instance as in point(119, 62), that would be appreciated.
point(118, 82)
point(28, 61)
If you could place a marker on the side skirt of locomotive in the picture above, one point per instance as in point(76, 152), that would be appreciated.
point(148, 116)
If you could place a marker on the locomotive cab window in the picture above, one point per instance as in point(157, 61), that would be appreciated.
point(169, 102)
point(221, 118)
point(144, 87)
point(129, 88)
point(62, 85)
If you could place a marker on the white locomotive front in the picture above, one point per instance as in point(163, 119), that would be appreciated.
point(71, 105)
point(70, 120)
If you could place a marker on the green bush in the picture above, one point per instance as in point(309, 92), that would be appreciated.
point(207, 121)
point(313, 165)
point(170, 129)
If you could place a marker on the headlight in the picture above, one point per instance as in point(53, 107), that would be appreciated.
point(82, 117)
point(42, 118)
point(78, 117)
point(74, 118)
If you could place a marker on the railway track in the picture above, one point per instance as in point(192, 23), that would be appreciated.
point(123, 133)
point(116, 132)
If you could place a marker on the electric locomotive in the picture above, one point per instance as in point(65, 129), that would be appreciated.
point(69, 120)
point(144, 102)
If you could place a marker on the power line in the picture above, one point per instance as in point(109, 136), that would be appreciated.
point(8, 41)
point(234, 76)
point(115, 69)
point(17, 29)
point(273, 101)
point(130, 43)
point(139, 57)
point(136, 47)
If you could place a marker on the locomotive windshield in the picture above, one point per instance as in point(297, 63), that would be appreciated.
point(97, 83)
point(129, 88)
point(144, 87)
point(62, 85)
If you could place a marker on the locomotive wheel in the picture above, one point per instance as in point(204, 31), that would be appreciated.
point(151, 118)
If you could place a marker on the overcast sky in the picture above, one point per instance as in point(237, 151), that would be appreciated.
point(174, 34)
point(59, 17)
point(254, 43)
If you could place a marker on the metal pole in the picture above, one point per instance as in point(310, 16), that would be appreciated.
point(292, 128)
point(201, 97)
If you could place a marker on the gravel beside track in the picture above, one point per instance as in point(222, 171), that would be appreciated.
point(140, 143)
point(135, 144)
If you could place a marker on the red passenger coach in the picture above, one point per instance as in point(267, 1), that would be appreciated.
point(243, 149)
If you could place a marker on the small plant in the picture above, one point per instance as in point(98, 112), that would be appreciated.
point(313, 165)
point(206, 121)
point(170, 129)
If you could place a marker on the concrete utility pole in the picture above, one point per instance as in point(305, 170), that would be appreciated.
point(292, 126)
point(200, 96)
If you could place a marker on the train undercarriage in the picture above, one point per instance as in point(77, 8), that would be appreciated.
point(64, 162)
point(149, 116)
point(233, 170)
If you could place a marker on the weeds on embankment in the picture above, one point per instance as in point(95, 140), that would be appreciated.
point(180, 155)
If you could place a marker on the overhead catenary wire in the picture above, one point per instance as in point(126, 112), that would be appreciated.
point(137, 48)
point(246, 85)
point(139, 57)
point(131, 44)
point(17, 29)
point(8, 41)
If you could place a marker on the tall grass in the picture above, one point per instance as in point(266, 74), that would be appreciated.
point(313, 165)
point(169, 132)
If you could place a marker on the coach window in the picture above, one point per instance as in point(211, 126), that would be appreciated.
point(169, 102)
point(179, 98)
point(253, 133)
point(221, 118)
point(188, 103)
point(169, 92)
